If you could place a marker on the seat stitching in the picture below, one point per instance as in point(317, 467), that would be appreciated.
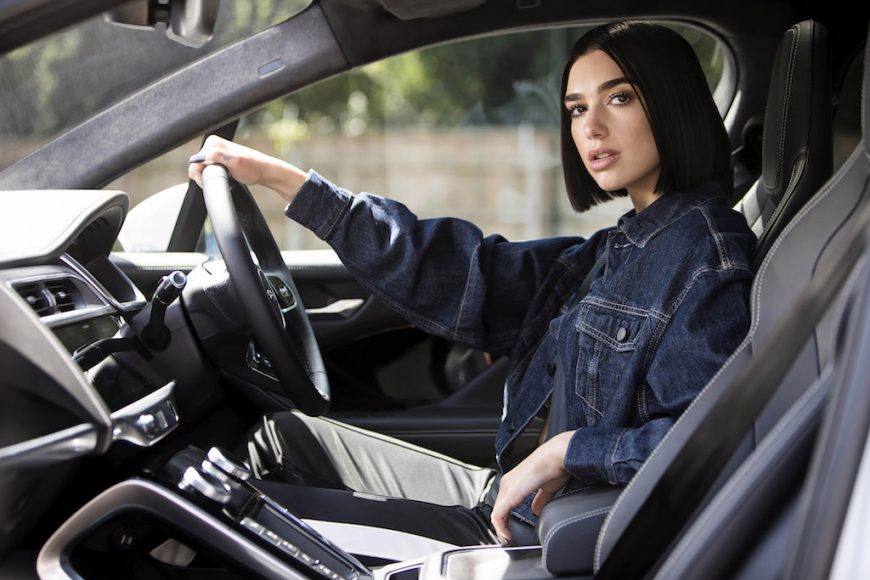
point(787, 100)
point(741, 473)
point(577, 518)
point(814, 200)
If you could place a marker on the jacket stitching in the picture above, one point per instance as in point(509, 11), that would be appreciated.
point(342, 210)
point(594, 300)
point(474, 255)
point(724, 259)
point(612, 466)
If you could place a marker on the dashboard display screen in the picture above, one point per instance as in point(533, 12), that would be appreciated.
point(79, 334)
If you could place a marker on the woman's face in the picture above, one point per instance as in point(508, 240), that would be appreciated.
point(610, 128)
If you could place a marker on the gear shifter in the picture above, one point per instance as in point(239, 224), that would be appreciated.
point(155, 335)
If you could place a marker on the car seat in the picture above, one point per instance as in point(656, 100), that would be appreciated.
point(796, 151)
point(778, 489)
point(796, 161)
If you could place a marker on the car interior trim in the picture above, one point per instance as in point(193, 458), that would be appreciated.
point(80, 312)
point(34, 337)
point(142, 496)
point(305, 41)
point(49, 449)
point(126, 306)
point(148, 420)
point(378, 542)
point(63, 215)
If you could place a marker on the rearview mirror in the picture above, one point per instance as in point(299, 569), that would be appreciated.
point(188, 22)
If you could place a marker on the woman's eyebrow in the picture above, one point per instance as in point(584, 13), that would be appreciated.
point(601, 88)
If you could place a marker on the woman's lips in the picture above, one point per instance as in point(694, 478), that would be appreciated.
point(604, 162)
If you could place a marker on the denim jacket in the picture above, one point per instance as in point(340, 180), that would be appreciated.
point(669, 307)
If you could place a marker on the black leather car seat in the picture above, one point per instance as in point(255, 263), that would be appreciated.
point(797, 160)
point(796, 151)
point(776, 477)
point(805, 250)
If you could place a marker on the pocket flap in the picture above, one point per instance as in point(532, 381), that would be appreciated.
point(619, 328)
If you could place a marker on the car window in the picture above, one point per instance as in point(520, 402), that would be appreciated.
point(468, 129)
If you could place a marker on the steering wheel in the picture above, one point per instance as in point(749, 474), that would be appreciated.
point(268, 296)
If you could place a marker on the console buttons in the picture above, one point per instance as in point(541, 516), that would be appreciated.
point(147, 424)
point(288, 548)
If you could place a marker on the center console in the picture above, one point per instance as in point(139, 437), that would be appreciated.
point(203, 506)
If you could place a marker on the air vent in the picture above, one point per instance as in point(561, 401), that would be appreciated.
point(63, 292)
point(38, 298)
point(50, 297)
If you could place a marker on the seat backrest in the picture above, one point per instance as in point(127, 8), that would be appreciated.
point(796, 156)
point(811, 240)
point(771, 483)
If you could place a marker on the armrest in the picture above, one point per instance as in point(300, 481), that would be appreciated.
point(569, 525)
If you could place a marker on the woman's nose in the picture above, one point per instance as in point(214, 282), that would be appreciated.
point(594, 126)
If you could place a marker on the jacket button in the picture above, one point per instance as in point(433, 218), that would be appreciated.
point(621, 333)
point(551, 368)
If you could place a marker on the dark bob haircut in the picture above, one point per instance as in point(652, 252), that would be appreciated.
point(692, 143)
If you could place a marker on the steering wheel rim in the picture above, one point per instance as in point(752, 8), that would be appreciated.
point(270, 299)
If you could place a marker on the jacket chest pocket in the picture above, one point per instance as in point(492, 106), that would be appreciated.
point(611, 345)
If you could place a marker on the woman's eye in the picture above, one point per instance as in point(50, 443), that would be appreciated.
point(576, 110)
point(620, 99)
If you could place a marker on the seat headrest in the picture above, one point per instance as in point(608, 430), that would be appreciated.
point(797, 144)
point(797, 120)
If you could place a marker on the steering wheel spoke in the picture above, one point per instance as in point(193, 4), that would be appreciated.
point(268, 295)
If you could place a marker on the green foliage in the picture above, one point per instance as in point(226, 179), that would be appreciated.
point(500, 80)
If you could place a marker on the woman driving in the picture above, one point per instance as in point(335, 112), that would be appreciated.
point(610, 338)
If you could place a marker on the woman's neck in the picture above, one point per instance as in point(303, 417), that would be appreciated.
point(642, 199)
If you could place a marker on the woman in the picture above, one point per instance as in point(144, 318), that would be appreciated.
point(610, 337)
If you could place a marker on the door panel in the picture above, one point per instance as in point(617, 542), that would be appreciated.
point(390, 377)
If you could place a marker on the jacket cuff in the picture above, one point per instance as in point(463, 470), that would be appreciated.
point(594, 453)
point(319, 205)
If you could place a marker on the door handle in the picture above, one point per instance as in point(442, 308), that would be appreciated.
point(345, 308)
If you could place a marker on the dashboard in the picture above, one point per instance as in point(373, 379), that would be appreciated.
point(76, 376)
point(90, 384)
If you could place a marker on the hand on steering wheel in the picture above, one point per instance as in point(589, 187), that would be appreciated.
point(268, 295)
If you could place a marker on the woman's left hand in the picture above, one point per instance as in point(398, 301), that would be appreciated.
point(543, 470)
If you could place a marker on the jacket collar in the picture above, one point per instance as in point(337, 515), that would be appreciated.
point(639, 228)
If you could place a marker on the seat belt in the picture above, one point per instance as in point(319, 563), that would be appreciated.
point(676, 496)
point(597, 267)
point(557, 415)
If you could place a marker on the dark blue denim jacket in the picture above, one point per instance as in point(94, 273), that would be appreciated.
point(669, 307)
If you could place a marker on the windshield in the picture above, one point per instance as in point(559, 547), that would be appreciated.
point(57, 82)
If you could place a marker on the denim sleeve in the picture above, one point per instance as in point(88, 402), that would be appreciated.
point(441, 274)
point(706, 328)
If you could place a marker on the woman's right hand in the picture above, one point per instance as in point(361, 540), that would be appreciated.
point(247, 166)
